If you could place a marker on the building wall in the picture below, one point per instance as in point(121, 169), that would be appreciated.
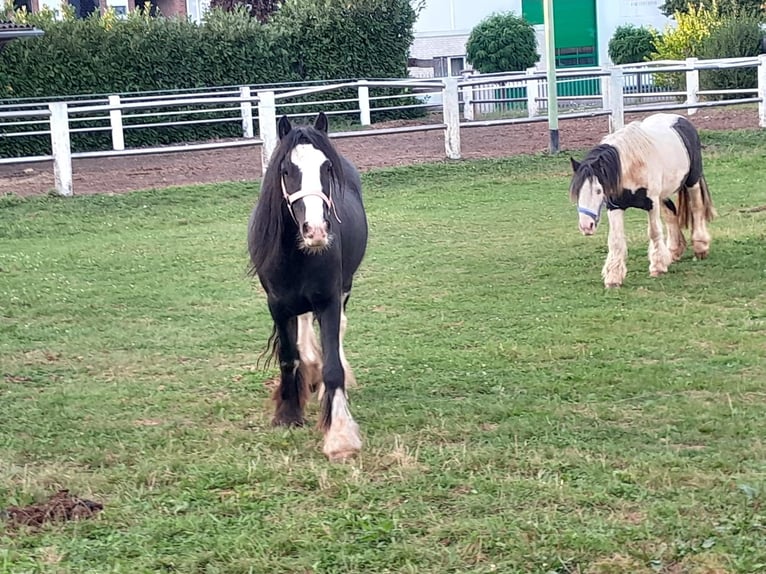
point(611, 14)
point(443, 26)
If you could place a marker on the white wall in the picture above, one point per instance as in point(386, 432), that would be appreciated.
point(442, 16)
point(610, 14)
point(443, 26)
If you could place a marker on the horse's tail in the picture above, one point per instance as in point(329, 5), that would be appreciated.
point(707, 201)
point(685, 206)
point(271, 352)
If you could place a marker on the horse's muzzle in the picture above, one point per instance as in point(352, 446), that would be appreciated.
point(315, 236)
point(587, 225)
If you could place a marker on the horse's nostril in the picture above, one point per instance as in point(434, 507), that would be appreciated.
point(305, 228)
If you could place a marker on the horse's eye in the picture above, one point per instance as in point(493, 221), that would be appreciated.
point(598, 192)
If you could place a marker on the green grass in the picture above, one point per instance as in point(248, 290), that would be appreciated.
point(517, 417)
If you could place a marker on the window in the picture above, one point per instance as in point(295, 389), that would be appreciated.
point(456, 65)
point(448, 66)
point(22, 4)
point(573, 57)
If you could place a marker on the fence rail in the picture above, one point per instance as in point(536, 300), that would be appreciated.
point(483, 100)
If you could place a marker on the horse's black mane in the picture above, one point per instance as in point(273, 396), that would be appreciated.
point(267, 222)
point(603, 163)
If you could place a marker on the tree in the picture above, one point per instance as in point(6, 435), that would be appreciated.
point(502, 43)
point(260, 9)
point(735, 7)
point(631, 44)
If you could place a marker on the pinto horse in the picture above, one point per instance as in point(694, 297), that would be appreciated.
point(642, 165)
point(307, 237)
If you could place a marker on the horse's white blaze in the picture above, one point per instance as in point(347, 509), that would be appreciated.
point(342, 439)
point(591, 199)
point(310, 160)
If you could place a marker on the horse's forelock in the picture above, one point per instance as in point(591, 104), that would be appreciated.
point(603, 164)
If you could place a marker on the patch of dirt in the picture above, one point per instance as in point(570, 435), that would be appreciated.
point(60, 507)
point(122, 174)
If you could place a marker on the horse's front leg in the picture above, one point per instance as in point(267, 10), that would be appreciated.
point(341, 433)
point(291, 394)
point(615, 269)
point(659, 254)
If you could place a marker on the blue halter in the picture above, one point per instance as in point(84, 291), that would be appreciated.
point(596, 216)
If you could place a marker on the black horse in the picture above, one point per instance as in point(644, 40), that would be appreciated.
point(307, 236)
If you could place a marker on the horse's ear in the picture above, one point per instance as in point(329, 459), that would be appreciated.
point(575, 164)
point(321, 122)
point(284, 127)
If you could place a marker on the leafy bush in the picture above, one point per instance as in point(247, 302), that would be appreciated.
point(304, 40)
point(632, 44)
point(260, 9)
point(737, 36)
point(726, 7)
point(502, 43)
point(684, 41)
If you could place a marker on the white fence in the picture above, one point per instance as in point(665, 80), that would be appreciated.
point(620, 90)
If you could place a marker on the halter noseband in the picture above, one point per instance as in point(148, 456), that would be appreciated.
point(595, 215)
point(291, 198)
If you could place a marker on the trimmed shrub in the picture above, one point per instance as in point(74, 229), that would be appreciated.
point(737, 36)
point(631, 44)
point(502, 42)
point(103, 55)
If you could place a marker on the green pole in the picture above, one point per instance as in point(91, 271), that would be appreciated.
point(550, 49)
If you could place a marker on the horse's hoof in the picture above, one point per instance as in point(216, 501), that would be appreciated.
point(657, 273)
point(288, 421)
point(701, 255)
point(612, 285)
point(342, 445)
point(341, 456)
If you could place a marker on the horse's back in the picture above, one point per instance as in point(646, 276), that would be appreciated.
point(677, 148)
point(353, 224)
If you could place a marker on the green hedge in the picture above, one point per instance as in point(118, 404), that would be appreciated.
point(306, 40)
point(736, 36)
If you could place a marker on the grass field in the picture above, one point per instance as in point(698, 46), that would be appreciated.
point(517, 417)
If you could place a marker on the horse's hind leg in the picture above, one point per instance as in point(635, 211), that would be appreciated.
point(699, 218)
point(676, 241)
point(350, 378)
point(290, 396)
point(310, 355)
point(341, 433)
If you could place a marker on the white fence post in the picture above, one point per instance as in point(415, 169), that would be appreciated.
point(532, 93)
point(692, 84)
point(467, 92)
point(762, 90)
point(605, 80)
point(451, 114)
point(246, 112)
point(267, 125)
point(61, 147)
point(364, 104)
point(115, 120)
point(615, 99)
